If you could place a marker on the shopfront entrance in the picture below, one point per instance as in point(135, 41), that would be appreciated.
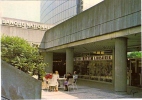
point(99, 68)
point(94, 67)
point(134, 72)
point(59, 63)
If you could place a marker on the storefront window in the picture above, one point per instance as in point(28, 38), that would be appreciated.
point(94, 68)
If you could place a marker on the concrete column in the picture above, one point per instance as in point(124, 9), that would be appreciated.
point(48, 58)
point(120, 84)
point(69, 60)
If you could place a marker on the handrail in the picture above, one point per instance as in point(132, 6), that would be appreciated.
point(4, 98)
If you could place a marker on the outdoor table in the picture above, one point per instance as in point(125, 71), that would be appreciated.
point(61, 79)
point(61, 82)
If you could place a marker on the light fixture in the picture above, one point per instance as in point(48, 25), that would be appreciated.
point(98, 52)
point(102, 52)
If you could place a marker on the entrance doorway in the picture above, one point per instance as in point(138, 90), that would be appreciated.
point(59, 63)
point(135, 72)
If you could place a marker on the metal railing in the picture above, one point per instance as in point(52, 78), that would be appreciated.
point(4, 98)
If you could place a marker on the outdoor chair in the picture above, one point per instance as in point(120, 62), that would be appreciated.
point(75, 84)
point(45, 84)
point(75, 77)
point(52, 83)
point(72, 84)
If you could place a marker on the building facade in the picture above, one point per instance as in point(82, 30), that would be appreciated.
point(53, 12)
point(95, 43)
point(33, 32)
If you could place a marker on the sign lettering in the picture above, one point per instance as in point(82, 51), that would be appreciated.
point(89, 58)
point(24, 24)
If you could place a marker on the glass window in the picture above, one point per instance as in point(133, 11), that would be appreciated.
point(66, 5)
point(59, 9)
point(56, 19)
point(74, 10)
point(60, 16)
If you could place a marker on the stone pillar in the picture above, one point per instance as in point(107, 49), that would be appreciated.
point(69, 60)
point(120, 84)
point(48, 58)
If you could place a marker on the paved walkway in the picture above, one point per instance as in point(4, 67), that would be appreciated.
point(83, 92)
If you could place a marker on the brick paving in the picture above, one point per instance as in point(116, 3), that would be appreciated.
point(83, 92)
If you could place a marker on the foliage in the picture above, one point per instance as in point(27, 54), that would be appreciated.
point(20, 54)
point(135, 54)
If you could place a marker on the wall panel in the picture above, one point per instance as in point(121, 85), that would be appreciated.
point(108, 16)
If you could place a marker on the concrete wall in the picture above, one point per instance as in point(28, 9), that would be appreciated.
point(32, 36)
point(15, 84)
point(106, 17)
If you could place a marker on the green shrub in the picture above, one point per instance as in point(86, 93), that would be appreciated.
point(135, 54)
point(20, 54)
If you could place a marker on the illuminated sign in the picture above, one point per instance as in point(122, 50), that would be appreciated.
point(26, 25)
point(89, 58)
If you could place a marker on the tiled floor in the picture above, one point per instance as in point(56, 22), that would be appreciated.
point(83, 92)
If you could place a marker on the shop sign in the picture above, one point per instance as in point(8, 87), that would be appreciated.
point(26, 25)
point(89, 58)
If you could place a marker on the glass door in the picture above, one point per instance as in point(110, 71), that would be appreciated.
point(135, 72)
point(139, 61)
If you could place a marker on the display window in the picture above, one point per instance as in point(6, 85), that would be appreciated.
point(94, 68)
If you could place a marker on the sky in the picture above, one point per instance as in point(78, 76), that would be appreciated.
point(22, 9)
point(28, 9)
point(89, 3)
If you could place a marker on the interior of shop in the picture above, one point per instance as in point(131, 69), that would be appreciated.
point(98, 67)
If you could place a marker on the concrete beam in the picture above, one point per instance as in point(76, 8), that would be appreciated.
point(112, 35)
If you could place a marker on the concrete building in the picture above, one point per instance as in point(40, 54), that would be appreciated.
point(54, 12)
point(33, 32)
point(57, 11)
point(95, 43)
